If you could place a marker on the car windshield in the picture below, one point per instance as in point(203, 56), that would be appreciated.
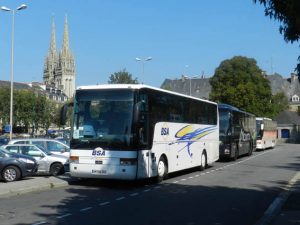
point(103, 118)
point(5, 151)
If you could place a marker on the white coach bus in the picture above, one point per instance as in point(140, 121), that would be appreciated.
point(129, 131)
point(266, 133)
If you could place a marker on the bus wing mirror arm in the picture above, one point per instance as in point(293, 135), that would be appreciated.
point(137, 111)
point(63, 112)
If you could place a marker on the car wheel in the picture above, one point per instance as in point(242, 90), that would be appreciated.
point(11, 173)
point(56, 169)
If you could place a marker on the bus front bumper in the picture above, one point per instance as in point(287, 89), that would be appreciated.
point(118, 172)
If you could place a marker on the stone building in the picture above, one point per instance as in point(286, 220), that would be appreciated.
point(201, 88)
point(59, 67)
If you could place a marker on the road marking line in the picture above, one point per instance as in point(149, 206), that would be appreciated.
point(62, 216)
point(43, 222)
point(146, 190)
point(104, 203)
point(85, 209)
point(119, 199)
point(134, 194)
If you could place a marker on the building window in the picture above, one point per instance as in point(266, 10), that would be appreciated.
point(295, 98)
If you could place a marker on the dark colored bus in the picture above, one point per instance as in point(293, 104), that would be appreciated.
point(237, 132)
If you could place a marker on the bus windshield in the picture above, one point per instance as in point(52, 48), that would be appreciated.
point(259, 131)
point(103, 118)
point(224, 117)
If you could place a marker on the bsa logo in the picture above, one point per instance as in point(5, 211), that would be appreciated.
point(98, 152)
point(165, 131)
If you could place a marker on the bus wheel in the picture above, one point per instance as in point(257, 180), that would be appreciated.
point(236, 153)
point(250, 150)
point(203, 161)
point(162, 169)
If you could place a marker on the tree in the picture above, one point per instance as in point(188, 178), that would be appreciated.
point(280, 102)
point(122, 77)
point(287, 12)
point(239, 82)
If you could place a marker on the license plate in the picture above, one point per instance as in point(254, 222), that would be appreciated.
point(99, 171)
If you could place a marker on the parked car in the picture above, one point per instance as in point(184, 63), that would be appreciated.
point(16, 166)
point(48, 162)
point(50, 145)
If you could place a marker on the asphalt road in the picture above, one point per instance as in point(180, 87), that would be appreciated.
point(228, 193)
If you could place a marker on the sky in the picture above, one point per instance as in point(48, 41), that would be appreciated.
point(190, 37)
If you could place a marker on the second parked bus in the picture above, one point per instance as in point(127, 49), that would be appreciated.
point(237, 132)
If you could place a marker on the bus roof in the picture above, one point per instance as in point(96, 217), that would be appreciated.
point(136, 86)
point(232, 108)
point(262, 118)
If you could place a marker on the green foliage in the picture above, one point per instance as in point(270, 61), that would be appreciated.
point(122, 77)
point(167, 87)
point(29, 109)
point(239, 82)
point(287, 12)
point(280, 103)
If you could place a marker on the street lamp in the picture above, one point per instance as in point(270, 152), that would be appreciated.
point(4, 8)
point(190, 78)
point(143, 62)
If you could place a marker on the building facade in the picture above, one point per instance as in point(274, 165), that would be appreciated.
point(59, 67)
point(201, 88)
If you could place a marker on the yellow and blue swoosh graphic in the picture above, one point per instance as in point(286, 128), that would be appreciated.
point(189, 135)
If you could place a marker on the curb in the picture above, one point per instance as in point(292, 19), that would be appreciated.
point(39, 184)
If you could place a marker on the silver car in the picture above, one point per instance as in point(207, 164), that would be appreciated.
point(48, 162)
point(50, 145)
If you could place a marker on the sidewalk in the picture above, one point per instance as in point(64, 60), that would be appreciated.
point(290, 211)
point(285, 209)
point(30, 184)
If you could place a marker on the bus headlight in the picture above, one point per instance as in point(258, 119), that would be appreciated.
point(127, 161)
point(74, 159)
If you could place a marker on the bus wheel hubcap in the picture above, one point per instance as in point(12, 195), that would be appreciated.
point(161, 168)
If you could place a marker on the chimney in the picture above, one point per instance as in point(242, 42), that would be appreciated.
point(293, 76)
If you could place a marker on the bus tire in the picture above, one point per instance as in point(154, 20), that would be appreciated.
point(250, 150)
point(236, 153)
point(203, 161)
point(162, 169)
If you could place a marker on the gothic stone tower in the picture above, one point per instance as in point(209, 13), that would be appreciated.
point(59, 69)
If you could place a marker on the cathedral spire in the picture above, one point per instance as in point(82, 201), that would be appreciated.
point(52, 50)
point(65, 45)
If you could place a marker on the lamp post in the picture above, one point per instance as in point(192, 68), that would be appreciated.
point(143, 62)
point(4, 8)
point(190, 78)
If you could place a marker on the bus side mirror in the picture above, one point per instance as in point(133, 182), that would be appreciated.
point(137, 111)
point(63, 112)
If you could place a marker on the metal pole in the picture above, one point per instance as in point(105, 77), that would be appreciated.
point(190, 86)
point(12, 75)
